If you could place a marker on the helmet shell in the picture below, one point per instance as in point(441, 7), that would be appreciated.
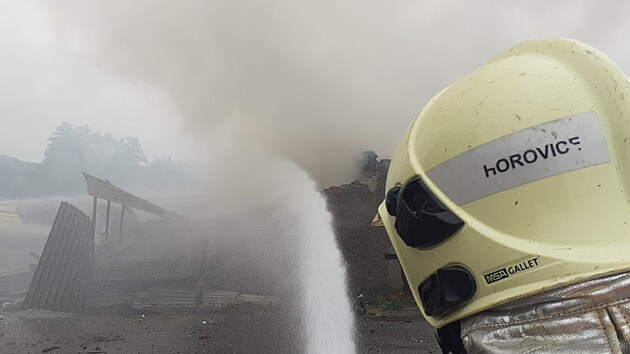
point(529, 226)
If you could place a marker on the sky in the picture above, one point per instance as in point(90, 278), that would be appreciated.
point(312, 81)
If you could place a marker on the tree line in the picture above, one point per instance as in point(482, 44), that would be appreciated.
point(73, 149)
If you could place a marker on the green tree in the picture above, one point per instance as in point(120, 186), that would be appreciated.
point(74, 149)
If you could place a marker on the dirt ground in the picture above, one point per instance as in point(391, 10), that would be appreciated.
point(255, 329)
point(396, 332)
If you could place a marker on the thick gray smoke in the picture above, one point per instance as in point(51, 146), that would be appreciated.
point(315, 81)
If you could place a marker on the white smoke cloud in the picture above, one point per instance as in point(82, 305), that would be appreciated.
point(315, 81)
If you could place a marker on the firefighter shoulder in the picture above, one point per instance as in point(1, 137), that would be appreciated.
point(514, 181)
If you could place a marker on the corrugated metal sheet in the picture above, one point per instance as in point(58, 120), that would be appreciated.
point(162, 268)
point(63, 274)
point(162, 297)
point(98, 188)
point(163, 283)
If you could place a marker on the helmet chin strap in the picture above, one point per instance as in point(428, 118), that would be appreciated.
point(450, 340)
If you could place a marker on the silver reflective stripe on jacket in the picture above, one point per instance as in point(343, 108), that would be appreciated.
point(588, 317)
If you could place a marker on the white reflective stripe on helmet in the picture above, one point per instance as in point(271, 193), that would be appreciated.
point(544, 150)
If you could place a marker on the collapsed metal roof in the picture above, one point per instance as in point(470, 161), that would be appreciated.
point(99, 188)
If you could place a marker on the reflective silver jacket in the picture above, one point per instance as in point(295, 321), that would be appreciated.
point(589, 317)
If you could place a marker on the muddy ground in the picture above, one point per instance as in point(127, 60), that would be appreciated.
point(242, 329)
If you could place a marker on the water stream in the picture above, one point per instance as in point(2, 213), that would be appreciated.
point(327, 316)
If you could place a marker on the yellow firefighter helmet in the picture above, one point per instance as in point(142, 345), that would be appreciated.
point(514, 180)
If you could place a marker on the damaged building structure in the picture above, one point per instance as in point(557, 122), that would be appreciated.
point(121, 262)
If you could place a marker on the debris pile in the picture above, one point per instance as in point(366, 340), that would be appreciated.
point(371, 261)
point(129, 264)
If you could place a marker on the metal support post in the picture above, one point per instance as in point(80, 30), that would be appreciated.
point(109, 204)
